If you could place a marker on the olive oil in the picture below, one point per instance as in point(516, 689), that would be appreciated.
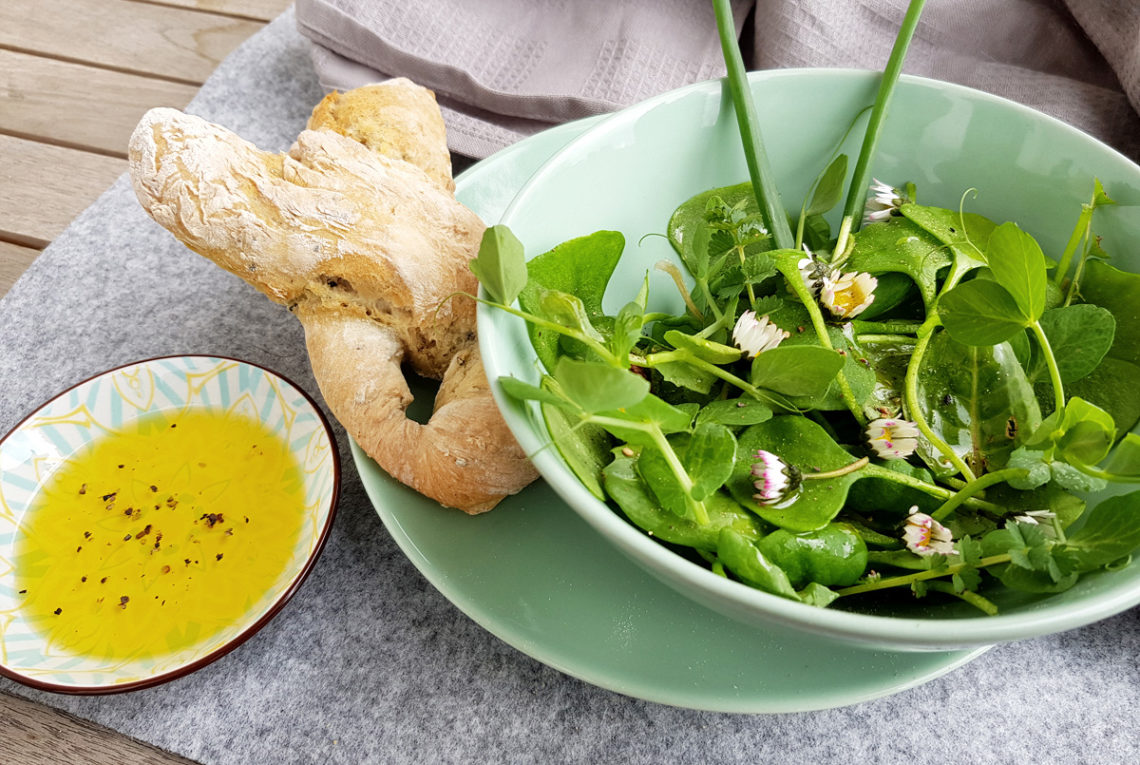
point(160, 537)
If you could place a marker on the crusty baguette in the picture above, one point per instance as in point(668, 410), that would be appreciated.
point(368, 251)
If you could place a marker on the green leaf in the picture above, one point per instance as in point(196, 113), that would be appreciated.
point(689, 229)
point(1119, 292)
point(828, 187)
point(1080, 336)
point(757, 267)
point(685, 375)
point(1041, 582)
point(981, 312)
point(1087, 432)
point(817, 595)
point(874, 494)
point(1068, 507)
point(597, 387)
point(524, 391)
point(709, 458)
point(501, 264)
point(581, 267)
point(629, 321)
point(1033, 461)
point(567, 310)
point(1112, 387)
point(834, 555)
point(735, 412)
point(663, 480)
point(966, 234)
point(1018, 265)
point(807, 446)
point(625, 486)
point(740, 556)
point(860, 376)
point(1112, 531)
point(899, 245)
point(650, 411)
point(1100, 198)
point(585, 447)
point(1068, 477)
point(802, 370)
point(1125, 459)
point(978, 399)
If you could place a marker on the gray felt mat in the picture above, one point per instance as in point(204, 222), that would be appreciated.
point(368, 663)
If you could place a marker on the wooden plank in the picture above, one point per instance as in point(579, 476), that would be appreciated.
point(262, 10)
point(14, 260)
point(43, 187)
point(77, 105)
point(126, 36)
point(38, 735)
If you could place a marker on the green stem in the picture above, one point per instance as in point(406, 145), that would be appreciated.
point(583, 338)
point(924, 335)
point(974, 599)
point(1084, 221)
point(933, 490)
point(908, 579)
point(1051, 363)
point(760, 171)
point(699, 511)
point(1096, 472)
point(661, 442)
point(873, 339)
point(860, 180)
point(974, 487)
point(856, 465)
point(899, 327)
point(665, 357)
point(1075, 283)
point(787, 266)
point(911, 393)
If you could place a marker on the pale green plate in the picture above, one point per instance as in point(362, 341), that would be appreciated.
point(537, 576)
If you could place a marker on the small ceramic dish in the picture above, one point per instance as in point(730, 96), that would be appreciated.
point(154, 517)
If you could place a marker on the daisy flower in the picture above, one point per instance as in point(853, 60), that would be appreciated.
point(776, 480)
point(847, 295)
point(882, 201)
point(892, 438)
point(925, 536)
point(754, 336)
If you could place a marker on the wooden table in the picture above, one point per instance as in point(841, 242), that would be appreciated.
point(75, 76)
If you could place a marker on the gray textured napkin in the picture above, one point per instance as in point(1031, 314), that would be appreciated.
point(504, 69)
point(368, 663)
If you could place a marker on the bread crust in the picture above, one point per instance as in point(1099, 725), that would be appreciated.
point(369, 251)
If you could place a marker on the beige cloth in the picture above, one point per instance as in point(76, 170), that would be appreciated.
point(504, 69)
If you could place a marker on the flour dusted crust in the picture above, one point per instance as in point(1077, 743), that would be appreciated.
point(397, 119)
point(368, 250)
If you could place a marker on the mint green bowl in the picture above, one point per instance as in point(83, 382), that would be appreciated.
point(630, 171)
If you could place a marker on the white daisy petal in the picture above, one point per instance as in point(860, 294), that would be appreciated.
point(776, 480)
point(892, 438)
point(754, 336)
point(925, 536)
point(847, 295)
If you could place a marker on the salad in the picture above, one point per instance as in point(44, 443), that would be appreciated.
point(919, 400)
